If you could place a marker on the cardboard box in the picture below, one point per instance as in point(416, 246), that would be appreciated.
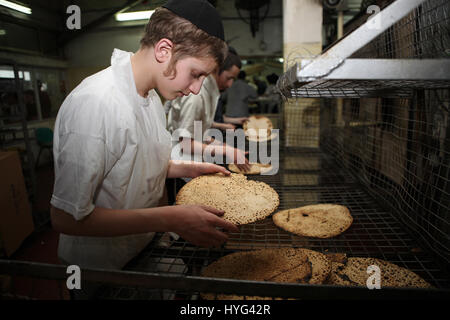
point(16, 221)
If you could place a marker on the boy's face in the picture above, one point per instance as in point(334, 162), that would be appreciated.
point(226, 78)
point(189, 77)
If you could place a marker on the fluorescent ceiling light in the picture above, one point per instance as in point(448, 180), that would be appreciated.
point(15, 6)
point(137, 15)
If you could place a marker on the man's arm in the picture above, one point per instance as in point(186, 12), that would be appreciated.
point(196, 147)
point(232, 120)
point(196, 224)
point(192, 169)
point(223, 126)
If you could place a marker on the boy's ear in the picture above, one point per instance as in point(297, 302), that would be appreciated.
point(163, 50)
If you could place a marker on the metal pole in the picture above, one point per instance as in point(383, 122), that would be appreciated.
point(340, 101)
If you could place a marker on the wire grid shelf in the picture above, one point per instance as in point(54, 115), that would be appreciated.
point(364, 88)
point(422, 34)
point(399, 149)
point(375, 232)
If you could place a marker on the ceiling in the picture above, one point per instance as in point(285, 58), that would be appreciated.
point(49, 17)
point(99, 9)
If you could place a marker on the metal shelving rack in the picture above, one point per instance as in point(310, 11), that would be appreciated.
point(11, 136)
point(399, 198)
point(340, 72)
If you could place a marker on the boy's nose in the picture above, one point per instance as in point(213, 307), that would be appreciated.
point(196, 86)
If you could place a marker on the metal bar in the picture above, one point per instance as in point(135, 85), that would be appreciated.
point(388, 69)
point(311, 78)
point(215, 285)
point(334, 57)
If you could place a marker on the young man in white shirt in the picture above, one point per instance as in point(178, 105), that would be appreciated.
point(185, 111)
point(112, 150)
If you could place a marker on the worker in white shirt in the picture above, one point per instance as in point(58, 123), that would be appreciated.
point(201, 108)
point(112, 149)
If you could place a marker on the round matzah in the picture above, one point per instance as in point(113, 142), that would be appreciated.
point(284, 265)
point(353, 272)
point(258, 128)
point(319, 221)
point(257, 122)
point(255, 168)
point(262, 138)
point(244, 201)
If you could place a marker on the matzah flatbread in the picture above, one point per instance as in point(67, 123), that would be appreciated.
point(284, 265)
point(353, 272)
point(255, 168)
point(318, 221)
point(258, 128)
point(244, 201)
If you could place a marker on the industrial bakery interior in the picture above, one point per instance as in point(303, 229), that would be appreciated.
point(358, 113)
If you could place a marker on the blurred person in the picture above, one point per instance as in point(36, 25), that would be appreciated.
point(185, 111)
point(237, 99)
point(272, 94)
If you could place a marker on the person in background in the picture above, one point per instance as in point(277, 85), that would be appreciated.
point(237, 99)
point(219, 123)
point(185, 111)
point(274, 97)
point(30, 104)
point(261, 85)
point(112, 149)
point(44, 100)
point(220, 109)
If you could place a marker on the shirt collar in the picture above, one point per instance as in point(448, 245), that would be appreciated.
point(210, 85)
point(123, 74)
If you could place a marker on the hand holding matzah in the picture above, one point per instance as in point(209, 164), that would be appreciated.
point(244, 201)
point(198, 224)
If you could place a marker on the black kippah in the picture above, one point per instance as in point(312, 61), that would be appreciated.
point(200, 13)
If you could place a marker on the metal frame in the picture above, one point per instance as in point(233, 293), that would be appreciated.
point(375, 233)
point(215, 285)
point(335, 74)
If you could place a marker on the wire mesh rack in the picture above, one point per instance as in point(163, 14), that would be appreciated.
point(424, 34)
point(410, 49)
point(176, 265)
point(375, 232)
point(385, 156)
point(399, 150)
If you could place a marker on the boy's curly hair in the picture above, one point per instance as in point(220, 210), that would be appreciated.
point(188, 40)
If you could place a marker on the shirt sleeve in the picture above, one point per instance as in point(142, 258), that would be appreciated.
point(81, 165)
point(252, 93)
point(191, 109)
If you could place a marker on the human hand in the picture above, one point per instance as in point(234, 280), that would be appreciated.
point(198, 224)
point(242, 120)
point(201, 168)
point(229, 126)
point(239, 158)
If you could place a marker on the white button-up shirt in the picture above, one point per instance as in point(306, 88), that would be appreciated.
point(184, 111)
point(111, 150)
